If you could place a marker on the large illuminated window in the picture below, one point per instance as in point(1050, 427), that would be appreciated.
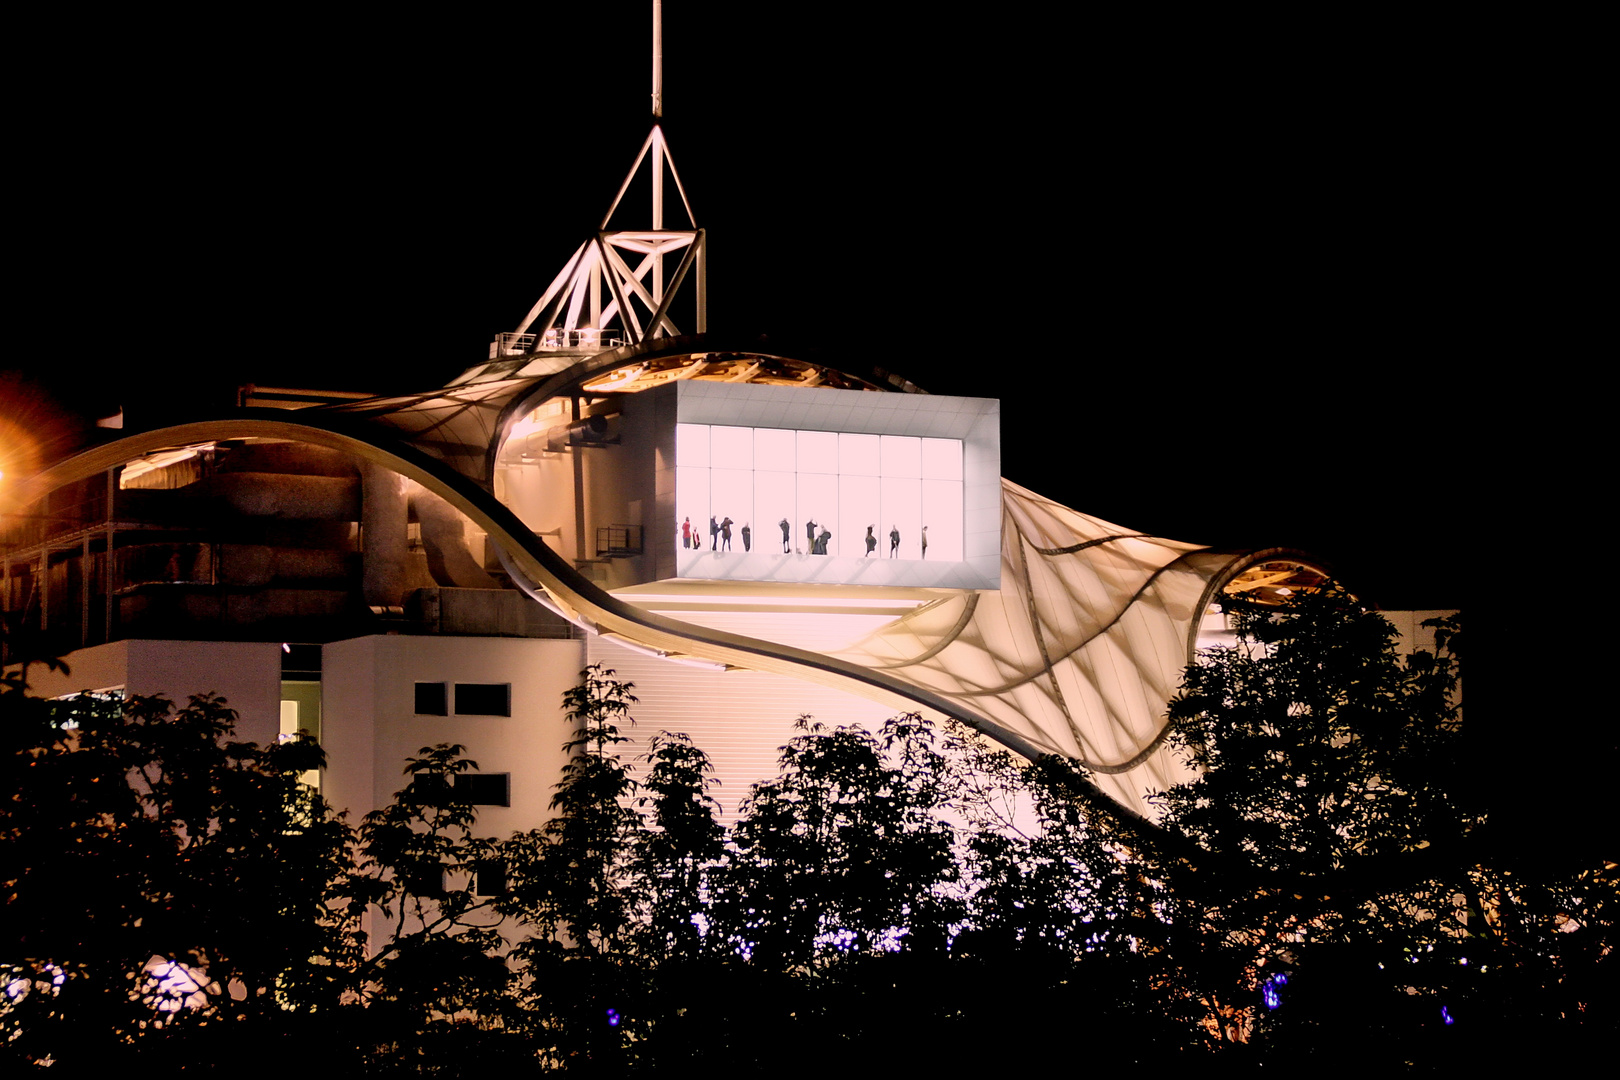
point(817, 493)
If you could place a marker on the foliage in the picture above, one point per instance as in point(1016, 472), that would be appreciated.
point(568, 880)
point(1318, 888)
point(436, 978)
point(684, 841)
point(571, 885)
point(844, 852)
point(1343, 896)
point(159, 878)
point(1326, 763)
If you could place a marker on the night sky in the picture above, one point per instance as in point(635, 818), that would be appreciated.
point(1216, 278)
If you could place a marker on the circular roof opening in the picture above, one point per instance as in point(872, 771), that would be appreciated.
point(1275, 582)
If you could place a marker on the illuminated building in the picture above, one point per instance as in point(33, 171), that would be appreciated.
point(397, 572)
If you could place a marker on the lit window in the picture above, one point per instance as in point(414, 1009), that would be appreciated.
point(812, 492)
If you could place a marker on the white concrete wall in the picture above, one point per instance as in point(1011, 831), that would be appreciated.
point(246, 673)
point(370, 726)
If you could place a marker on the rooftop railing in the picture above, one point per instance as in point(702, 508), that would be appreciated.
point(583, 338)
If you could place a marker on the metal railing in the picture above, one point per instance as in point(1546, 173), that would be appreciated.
point(618, 541)
point(584, 338)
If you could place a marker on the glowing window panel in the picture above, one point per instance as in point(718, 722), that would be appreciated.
point(817, 451)
point(942, 520)
point(818, 493)
point(692, 445)
point(901, 517)
point(857, 455)
point(818, 509)
point(901, 456)
point(731, 447)
point(775, 511)
point(942, 459)
point(859, 511)
point(692, 504)
point(773, 450)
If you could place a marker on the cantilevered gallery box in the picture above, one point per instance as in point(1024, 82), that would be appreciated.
point(711, 481)
point(842, 487)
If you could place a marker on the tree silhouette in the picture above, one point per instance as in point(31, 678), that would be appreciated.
point(1345, 898)
point(572, 885)
point(1319, 889)
point(165, 887)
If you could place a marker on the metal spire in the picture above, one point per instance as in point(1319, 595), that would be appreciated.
point(658, 59)
point(615, 289)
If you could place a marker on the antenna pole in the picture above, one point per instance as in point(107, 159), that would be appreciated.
point(658, 59)
point(657, 147)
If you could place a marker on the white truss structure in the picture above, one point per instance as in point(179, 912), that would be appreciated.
point(577, 312)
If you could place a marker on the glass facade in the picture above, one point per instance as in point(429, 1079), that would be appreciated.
point(828, 493)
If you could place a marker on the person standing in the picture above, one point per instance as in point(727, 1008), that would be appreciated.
point(686, 533)
point(787, 533)
point(725, 535)
point(821, 541)
point(748, 538)
point(925, 541)
point(871, 541)
point(810, 534)
point(714, 534)
point(894, 541)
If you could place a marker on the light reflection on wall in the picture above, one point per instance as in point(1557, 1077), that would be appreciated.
point(849, 486)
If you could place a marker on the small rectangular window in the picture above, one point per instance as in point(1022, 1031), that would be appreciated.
point(429, 789)
point(430, 699)
point(425, 879)
point(483, 699)
point(485, 789)
point(489, 877)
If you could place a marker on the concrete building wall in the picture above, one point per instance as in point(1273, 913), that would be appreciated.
point(247, 674)
point(371, 726)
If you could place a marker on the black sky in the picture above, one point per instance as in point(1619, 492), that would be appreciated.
point(1218, 279)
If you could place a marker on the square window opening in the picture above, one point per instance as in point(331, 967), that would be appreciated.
point(431, 700)
point(489, 877)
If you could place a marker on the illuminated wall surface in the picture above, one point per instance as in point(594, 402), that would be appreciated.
point(856, 502)
point(824, 493)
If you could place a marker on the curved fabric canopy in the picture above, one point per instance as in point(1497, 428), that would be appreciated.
point(1077, 654)
point(1080, 650)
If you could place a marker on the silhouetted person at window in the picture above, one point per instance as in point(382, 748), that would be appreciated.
point(686, 533)
point(894, 541)
point(810, 534)
point(925, 541)
point(725, 534)
point(871, 541)
point(787, 533)
point(714, 534)
point(748, 538)
point(821, 541)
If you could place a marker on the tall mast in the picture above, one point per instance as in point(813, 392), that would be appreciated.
point(576, 311)
point(658, 59)
point(659, 153)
